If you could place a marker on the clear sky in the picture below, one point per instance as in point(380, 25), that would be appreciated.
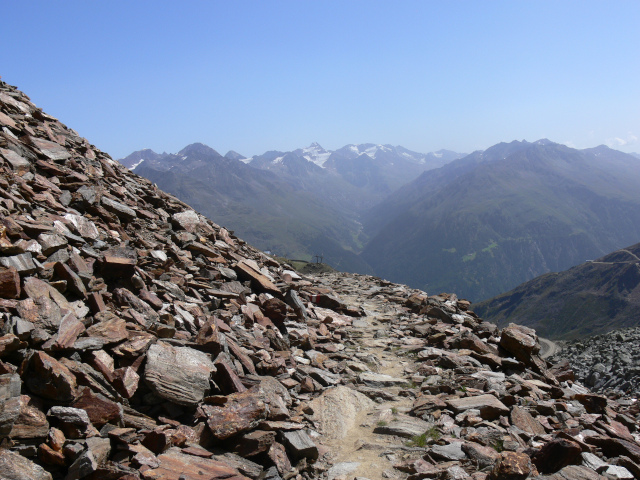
point(277, 75)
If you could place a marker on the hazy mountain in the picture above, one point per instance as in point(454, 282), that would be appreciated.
point(589, 299)
point(354, 177)
point(257, 204)
point(485, 223)
point(296, 204)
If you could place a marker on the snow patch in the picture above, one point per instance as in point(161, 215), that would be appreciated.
point(133, 167)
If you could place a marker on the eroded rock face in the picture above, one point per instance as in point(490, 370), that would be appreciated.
point(139, 340)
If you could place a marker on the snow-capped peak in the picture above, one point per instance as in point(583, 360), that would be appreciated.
point(316, 154)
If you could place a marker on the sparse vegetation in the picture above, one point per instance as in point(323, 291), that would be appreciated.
point(382, 423)
point(498, 445)
point(422, 440)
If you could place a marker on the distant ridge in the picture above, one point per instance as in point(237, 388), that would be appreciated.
point(590, 299)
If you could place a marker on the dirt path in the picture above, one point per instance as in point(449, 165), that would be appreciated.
point(373, 453)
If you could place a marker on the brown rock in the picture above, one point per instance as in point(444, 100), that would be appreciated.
point(68, 331)
point(49, 456)
point(56, 439)
point(10, 343)
point(235, 413)
point(100, 409)
point(109, 328)
point(227, 379)
point(481, 455)
point(278, 455)
point(556, 454)
point(10, 385)
point(126, 381)
point(512, 466)
point(254, 443)
point(175, 465)
point(523, 420)
point(9, 283)
point(614, 447)
point(490, 407)
point(74, 283)
point(258, 280)
point(32, 422)
point(519, 341)
point(50, 379)
point(592, 403)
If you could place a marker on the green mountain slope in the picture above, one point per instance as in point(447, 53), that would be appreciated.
point(483, 224)
point(589, 299)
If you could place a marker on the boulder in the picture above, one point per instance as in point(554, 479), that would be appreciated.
point(178, 374)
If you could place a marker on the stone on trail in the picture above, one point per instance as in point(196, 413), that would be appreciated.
point(490, 407)
point(407, 427)
point(379, 380)
point(335, 411)
point(300, 445)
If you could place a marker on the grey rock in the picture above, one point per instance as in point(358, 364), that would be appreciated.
point(178, 374)
point(343, 468)
point(83, 466)
point(14, 466)
point(379, 380)
point(299, 445)
point(452, 451)
point(10, 385)
point(120, 209)
point(407, 427)
point(23, 263)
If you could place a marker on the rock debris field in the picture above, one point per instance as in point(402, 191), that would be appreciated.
point(142, 341)
point(608, 363)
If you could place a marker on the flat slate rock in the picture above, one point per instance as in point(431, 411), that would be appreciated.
point(379, 380)
point(175, 465)
point(490, 407)
point(407, 427)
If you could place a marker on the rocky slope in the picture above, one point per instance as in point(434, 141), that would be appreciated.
point(607, 363)
point(142, 341)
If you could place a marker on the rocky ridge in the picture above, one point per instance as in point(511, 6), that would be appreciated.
point(142, 341)
point(607, 363)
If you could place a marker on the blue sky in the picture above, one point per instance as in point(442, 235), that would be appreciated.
point(278, 75)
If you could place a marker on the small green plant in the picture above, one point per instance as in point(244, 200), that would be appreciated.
point(433, 433)
point(463, 389)
point(382, 423)
point(394, 410)
point(498, 445)
point(418, 441)
point(422, 440)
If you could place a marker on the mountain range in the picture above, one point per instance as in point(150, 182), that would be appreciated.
point(487, 222)
point(477, 224)
point(297, 204)
point(589, 299)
